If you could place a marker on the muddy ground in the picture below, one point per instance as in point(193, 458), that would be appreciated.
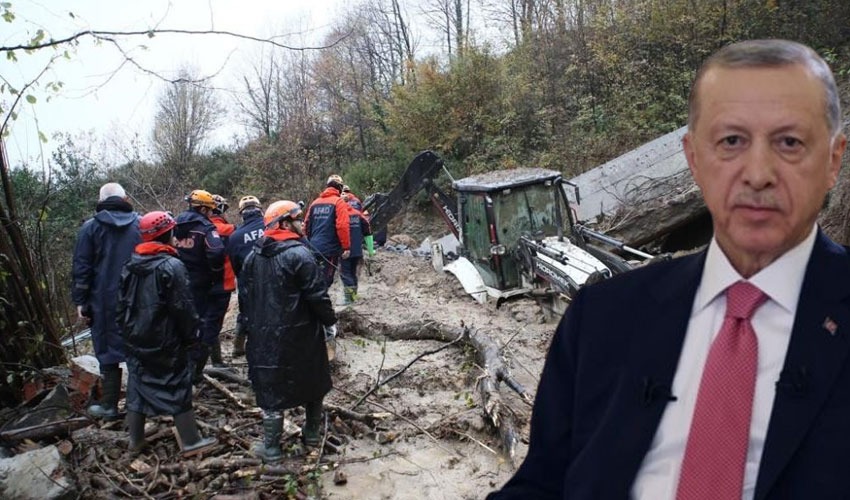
point(423, 435)
point(451, 452)
point(445, 448)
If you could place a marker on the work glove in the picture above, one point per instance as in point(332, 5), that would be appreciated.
point(370, 245)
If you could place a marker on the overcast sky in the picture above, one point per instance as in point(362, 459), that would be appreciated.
point(105, 94)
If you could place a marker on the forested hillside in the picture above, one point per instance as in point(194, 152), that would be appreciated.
point(568, 85)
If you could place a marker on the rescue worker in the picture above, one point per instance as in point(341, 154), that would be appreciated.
point(158, 320)
point(104, 243)
point(360, 234)
point(326, 228)
point(221, 291)
point(202, 251)
point(238, 247)
point(286, 304)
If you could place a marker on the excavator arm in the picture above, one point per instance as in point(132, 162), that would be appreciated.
point(382, 207)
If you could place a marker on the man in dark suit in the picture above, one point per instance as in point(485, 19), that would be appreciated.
point(659, 383)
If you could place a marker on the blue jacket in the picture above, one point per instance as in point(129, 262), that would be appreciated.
point(201, 249)
point(239, 243)
point(104, 243)
point(358, 225)
point(326, 224)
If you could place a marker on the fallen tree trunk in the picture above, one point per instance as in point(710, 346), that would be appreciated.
point(488, 357)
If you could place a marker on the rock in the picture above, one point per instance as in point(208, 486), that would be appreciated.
point(402, 240)
point(340, 478)
point(38, 474)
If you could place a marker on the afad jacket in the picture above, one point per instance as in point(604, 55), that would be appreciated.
point(358, 223)
point(225, 230)
point(326, 224)
point(201, 249)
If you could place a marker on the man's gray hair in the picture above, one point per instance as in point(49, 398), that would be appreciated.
point(111, 189)
point(768, 54)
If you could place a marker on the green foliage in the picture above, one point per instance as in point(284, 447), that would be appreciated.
point(380, 174)
point(219, 171)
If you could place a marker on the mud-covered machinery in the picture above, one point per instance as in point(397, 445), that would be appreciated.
point(517, 230)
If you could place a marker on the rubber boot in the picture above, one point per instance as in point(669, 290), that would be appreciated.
point(269, 449)
point(349, 295)
point(190, 439)
point(136, 429)
point(198, 363)
point(107, 408)
point(239, 341)
point(215, 356)
point(313, 421)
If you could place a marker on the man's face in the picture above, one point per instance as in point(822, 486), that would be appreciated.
point(761, 152)
point(297, 227)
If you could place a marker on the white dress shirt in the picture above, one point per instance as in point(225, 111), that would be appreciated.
point(781, 281)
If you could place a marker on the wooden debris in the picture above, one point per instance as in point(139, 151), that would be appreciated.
point(46, 430)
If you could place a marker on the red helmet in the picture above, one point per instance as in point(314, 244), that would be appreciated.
point(155, 224)
point(281, 210)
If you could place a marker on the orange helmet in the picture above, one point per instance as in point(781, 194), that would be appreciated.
point(281, 210)
point(200, 198)
point(154, 224)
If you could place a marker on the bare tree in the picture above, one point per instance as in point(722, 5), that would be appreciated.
point(187, 113)
point(451, 19)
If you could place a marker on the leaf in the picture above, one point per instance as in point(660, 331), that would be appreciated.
point(71, 14)
point(150, 34)
point(31, 99)
point(42, 137)
point(8, 16)
point(11, 56)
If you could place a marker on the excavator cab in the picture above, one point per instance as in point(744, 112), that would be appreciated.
point(497, 209)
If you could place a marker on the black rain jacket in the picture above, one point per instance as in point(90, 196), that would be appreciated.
point(286, 303)
point(158, 322)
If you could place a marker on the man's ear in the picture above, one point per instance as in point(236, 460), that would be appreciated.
point(688, 147)
point(839, 144)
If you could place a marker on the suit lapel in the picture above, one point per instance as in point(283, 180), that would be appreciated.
point(818, 349)
point(644, 390)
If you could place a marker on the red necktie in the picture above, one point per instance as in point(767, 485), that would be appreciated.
point(716, 452)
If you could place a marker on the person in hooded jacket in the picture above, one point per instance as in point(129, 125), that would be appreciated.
point(104, 243)
point(219, 297)
point(326, 227)
point(287, 305)
point(238, 247)
point(158, 322)
point(360, 233)
point(202, 251)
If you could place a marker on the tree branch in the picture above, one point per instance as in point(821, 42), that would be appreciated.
point(98, 34)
